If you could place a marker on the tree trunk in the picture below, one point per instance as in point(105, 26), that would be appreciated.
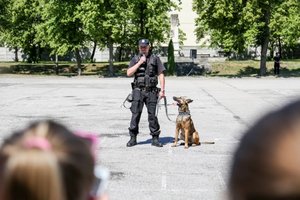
point(56, 64)
point(147, 34)
point(280, 47)
point(16, 54)
point(142, 18)
point(263, 58)
point(265, 42)
point(271, 50)
point(255, 52)
point(120, 53)
point(78, 61)
point(93, 53)
point(111, 49)
point(38, 53)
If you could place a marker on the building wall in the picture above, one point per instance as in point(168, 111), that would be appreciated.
point(187, 22)
point(7, 55)
point(187, 18)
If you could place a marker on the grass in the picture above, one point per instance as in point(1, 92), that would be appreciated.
point(64, 68)
point(248, 68)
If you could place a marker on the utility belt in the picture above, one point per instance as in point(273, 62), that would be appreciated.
point(146, 83)
point(146, 89)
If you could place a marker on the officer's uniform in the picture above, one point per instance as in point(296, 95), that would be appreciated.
point(145, 91)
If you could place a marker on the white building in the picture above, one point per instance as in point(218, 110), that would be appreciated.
point(186, 22)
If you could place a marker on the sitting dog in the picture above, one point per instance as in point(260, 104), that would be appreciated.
point(184, 124)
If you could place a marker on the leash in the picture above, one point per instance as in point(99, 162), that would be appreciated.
point(129, 99)
point(166, 107)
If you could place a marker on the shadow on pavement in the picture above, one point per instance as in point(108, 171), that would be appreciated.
point(163, 140)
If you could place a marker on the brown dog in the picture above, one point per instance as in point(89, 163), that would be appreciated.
point(184, 124)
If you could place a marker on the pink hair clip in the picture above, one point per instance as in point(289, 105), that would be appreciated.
point(38, 143)
point(91, 137)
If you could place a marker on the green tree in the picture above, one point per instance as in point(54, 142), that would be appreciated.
point(285, 25)
point(100, 20)
point(235, 25)
point(20, 32)
point(62, 28)
point(123, 22)
point(182, 37)
point(221, 20)
point(106, 23)
point(171, 58)
point(3, 19)
point(90, 14)
point(3, 13)
point(151, 18)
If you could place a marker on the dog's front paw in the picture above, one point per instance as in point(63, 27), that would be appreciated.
point(174, 145)
point(186, 147)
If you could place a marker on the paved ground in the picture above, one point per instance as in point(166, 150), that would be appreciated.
point(222, 109)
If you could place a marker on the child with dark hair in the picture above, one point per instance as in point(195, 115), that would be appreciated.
point(266, 164)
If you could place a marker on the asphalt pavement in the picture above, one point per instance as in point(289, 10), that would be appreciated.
point(222, 109)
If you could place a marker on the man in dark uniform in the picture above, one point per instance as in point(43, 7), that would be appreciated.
point(147, 69)
point(276, 64)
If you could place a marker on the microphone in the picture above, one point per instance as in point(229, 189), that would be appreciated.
point(141, 55)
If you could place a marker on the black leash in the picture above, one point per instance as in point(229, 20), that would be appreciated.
point(129, 99)
point(166, 107)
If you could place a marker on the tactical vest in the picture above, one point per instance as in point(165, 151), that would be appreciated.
point(146, 74)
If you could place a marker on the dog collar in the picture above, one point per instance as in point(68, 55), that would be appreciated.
point(184, 113)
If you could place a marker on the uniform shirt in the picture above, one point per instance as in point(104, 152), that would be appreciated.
point(277, 59)
point(160, 66)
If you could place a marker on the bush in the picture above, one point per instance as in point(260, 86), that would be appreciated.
point(171, 59)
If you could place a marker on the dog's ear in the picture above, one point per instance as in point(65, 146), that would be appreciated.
point(175, 99)
point(189, 100)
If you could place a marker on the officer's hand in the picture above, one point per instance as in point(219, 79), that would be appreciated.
point(162, 94)
point(142, 59)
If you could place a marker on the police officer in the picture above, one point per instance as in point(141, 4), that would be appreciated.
point(147, 69)
point(276, 64)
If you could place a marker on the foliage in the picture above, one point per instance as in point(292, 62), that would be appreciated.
point(62, 27)
point(19, 30)
point(171, 58)
point(285, 23)
point(235, 25)
point(182, 37)
point(3, 13)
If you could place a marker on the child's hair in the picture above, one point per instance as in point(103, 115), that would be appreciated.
point(45, 161)
point(266, 163)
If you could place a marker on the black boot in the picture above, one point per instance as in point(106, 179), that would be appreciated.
point(155, 141)
point(132, 141)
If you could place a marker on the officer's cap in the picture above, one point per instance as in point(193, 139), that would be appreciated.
point(144, 42)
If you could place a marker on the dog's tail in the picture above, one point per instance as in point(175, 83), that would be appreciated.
point(207, 143)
